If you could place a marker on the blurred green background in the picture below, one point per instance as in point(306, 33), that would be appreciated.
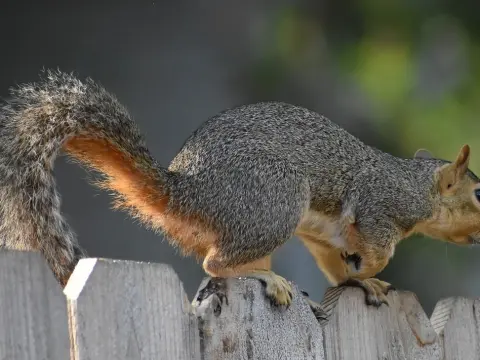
point(400, 75)
point(411, 71)
point(415, 64)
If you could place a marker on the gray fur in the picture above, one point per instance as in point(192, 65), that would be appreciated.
point(34, 123)
point(249, 163)
point(248, 172)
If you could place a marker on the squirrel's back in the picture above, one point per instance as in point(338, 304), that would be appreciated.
point(308, 142)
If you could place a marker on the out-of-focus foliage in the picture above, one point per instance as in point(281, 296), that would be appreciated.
point(415, 66)
point(418, 63)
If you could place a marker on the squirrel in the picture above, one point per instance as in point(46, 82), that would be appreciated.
point(247, 180)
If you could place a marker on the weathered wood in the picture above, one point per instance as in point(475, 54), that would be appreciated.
point(33, 315)
point(457, 321)
point(400, 331)
point(129, 310)
point(243, 324)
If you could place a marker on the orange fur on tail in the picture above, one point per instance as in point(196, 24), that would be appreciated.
point(141, 193)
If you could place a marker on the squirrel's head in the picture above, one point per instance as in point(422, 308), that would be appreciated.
point(456, 211)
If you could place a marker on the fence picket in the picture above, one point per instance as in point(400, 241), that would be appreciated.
point(33, 315)
point(244, 325)
point(457, 321)
point(129, 310)
point(400, 331)
point(114, 309)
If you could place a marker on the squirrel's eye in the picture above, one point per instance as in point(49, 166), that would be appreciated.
point(477, 194)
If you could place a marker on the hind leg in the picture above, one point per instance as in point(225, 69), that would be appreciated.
point(252, 218)
point(246, 251)
point(277, 289)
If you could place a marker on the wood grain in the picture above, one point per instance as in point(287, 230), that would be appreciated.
point(243, 324)
point(400, 331)
point(129, 310)
point(457, 321)
point(33, 312)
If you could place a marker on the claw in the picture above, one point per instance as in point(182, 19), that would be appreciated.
point(375, 290)
point(277, 289)
point(390, 288)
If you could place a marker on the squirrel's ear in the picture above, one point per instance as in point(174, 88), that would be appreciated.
point(461, 162)
point(422, 154)
point(452, 173)
point(456, 170)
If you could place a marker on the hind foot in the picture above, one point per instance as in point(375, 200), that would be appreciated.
point(277, 288)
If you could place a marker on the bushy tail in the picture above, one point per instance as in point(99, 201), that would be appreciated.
point(83, 119)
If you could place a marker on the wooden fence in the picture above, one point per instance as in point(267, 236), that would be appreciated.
point(130, 310)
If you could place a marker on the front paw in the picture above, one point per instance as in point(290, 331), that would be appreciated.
point(375, 290)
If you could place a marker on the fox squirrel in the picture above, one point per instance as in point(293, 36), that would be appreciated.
point(243, 183)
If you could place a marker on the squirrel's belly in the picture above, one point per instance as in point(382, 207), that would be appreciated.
point(323, 227)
